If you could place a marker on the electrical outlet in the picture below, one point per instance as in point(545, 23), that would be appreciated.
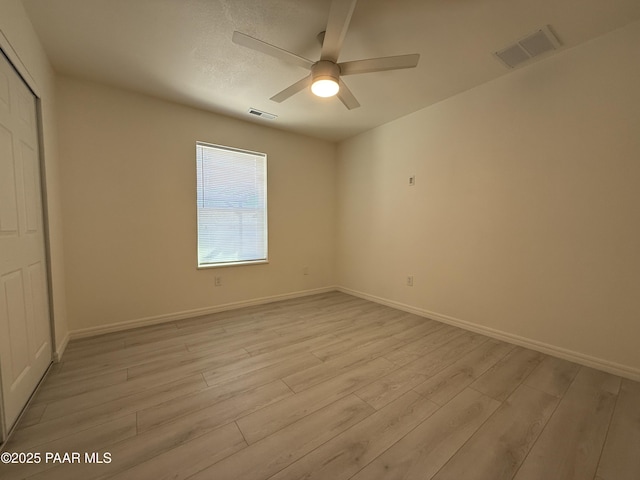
point(412, 180)
point(410, 281)
point(305, 270)
point(218, 281)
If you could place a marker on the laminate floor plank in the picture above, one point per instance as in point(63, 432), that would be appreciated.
point(122, 392)
point(285, 339)
point(275, 452)
point(346, 454)
point(259, 323)
point(425, 327)
point(506, 375)
point(147, 445)
point(192, 456)
point(160, 330)
point(322, 324)
point(364, 327)
point(297, 345)
point(89, 440)
point(329, 369)
point(446, 384)
point(271, 419)
point(99, 341)
point(141, 343)
point(203, 323)
point(53, 389)
point(123, 356)
point(188, 363)
point(553, 375)
point(284, 368)
point(32, 415)
point(621, 454)
point(77, 349)
point(45, 432)
point(170, 337)
point(571, 443)
point(423, 451)
point(341, 347)
point(420, 347)
point(372, 348)
point(442, 357)
point(499, 446)
point(120, 360)
point(390, 387)
point(227, 410)
point(228, 340)
point(328, 386)
point(234, 369)
point(165, 412)
point(228, 317)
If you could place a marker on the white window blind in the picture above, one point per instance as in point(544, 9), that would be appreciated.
point(232, 205)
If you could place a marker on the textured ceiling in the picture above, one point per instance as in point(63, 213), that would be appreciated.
point(181, 50)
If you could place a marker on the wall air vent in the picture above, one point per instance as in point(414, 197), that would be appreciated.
point(537, 44)
point(261, 114)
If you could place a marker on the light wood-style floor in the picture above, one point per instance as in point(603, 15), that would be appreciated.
point(326, 387)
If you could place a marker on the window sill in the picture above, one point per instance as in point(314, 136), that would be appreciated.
point(232, 264)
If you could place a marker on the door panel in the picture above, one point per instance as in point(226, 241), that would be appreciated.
point(8, 200)
point(4, 90)
point(25, 338)
point(14, 314)
point(38, 284)
point(31, 183)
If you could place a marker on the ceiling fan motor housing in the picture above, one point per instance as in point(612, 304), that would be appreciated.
point(325, 70)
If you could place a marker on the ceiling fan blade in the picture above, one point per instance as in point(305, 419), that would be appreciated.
point(240, 38)
point(379, 64)
point(291, 90)
point(346, 97)
point(339, 18)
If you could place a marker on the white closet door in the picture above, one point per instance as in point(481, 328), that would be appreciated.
point(25, 335)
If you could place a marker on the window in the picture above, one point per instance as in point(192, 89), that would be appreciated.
point(232, 206)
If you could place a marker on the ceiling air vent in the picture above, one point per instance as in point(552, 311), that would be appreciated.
point(532, 46)
point(261, 114)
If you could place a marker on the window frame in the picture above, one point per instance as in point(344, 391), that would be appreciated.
point(260, 261)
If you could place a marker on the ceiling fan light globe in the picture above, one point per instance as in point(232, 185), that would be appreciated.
point(324, 87)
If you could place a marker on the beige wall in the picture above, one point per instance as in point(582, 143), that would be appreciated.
point(27, 51)
point(130, 208)
point(525, 216)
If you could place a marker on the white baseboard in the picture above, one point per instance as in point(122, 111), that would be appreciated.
point(60, 348)
point(576, 357)
point(170, 317)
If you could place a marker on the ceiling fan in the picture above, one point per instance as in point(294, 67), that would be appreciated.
point(324, 78)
